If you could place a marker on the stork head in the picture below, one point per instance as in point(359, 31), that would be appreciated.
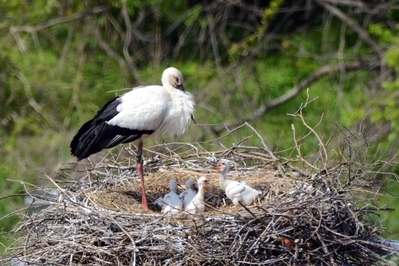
point(173, 185)
point(173, 77)
point(223, 166)
point(203, 182)
point(190, 184)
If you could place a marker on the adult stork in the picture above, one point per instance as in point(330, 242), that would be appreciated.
point(142, 112)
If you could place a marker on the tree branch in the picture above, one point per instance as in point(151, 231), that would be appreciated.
point(14, 30)
point(128, 38)
point(363, 35)
point(292, 93)
point(107, 48)
point(56, 21)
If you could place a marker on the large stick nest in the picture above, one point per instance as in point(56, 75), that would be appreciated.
point(97, 219)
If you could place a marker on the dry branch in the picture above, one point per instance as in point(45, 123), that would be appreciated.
point(128, 40)
point(363, 35)
point(292, 93)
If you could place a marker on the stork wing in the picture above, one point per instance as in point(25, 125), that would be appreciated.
point(236, 189)
point(141, 109)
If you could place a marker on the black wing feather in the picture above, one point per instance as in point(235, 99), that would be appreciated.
point(96, 134)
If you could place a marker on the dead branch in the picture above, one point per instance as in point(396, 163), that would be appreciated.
point(127, 44)
point(292, 93)
point(354, 26)
point(323, 150)
point(31, 29)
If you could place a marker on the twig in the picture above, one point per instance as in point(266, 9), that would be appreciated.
point(311, 129)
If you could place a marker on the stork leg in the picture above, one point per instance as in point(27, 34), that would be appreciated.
point(139, 164)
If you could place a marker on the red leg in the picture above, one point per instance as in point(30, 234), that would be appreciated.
point(141, 175)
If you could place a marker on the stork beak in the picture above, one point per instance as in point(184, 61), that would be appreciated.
point(206, 187)
point(180, 87)
point(218, 170)
point(192, 118)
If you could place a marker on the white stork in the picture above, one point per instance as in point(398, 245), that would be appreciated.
point(142, 112)
point(198, 204)
point(187, 195)
point(170, 202)
point(236, 191)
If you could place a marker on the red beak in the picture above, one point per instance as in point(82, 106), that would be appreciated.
point(206, 187)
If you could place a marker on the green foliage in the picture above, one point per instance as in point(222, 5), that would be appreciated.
point(386, 108)
point(8, 204)
point(387, 199)
point(381, 31)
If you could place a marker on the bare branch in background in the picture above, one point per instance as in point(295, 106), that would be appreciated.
point(15, 30)
point(366, 8)
point(128, 39)
point(363, 35)
point(53, 22)
point(213, 40)
point(108, 50)
point(354, 26)
point(292, 93)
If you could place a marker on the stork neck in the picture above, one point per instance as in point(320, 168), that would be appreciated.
point(222, 179)
point(200, 194)
point(201, 190)
point(173, 187)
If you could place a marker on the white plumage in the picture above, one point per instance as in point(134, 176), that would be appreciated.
point(158, 108)
point(142, 112)
point(198, 204)
point(236, 191)
point(187, 195)
point(171, 203)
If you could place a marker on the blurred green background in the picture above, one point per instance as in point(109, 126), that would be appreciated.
point(61, 60)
